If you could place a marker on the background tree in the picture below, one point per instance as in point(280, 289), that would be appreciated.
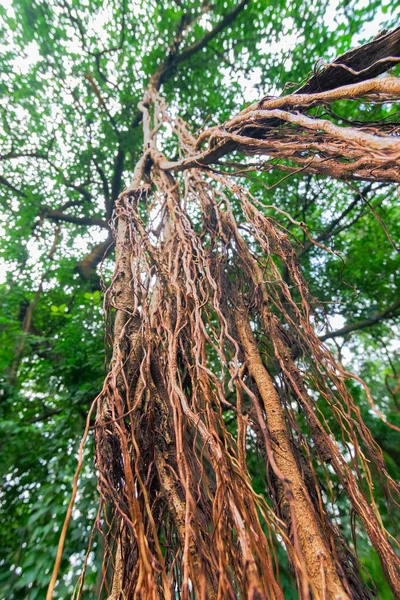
point(221, 324)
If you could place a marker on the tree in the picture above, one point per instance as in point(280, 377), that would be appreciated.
point(236, 455)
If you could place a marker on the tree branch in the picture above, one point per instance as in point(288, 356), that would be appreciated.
point(116, 183)
point(86, 267)
point(379, 316)
point(90, 78)
point(59, 215)
point(365, 62)
point(13, 154)
point(323, 146)
point(39, 155)
point(78, 188)
point(10, 186)
point(331, 228)
point(225, 22)
point(106, 187)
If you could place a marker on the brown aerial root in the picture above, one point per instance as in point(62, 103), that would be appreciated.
point(214, 352)
point(307, 528)
point(280, 129)
point(190, 304)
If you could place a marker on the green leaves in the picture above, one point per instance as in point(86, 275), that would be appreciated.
point(94, 297)
point(59, 310)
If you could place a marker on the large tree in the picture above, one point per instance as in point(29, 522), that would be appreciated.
point(209, 188)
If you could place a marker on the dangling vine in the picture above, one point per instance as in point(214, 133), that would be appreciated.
point(215, 344)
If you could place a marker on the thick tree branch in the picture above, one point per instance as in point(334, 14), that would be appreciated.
point(389, 312)
point(359, 64)
point(58, 215)
point(314, 144)
point(347, 77)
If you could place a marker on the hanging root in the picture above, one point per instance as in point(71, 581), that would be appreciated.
point(215, 351)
